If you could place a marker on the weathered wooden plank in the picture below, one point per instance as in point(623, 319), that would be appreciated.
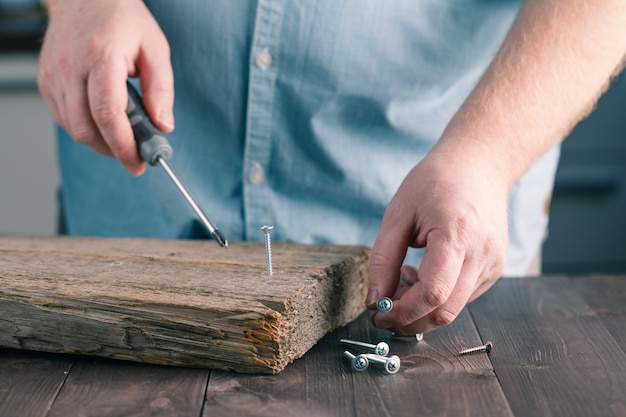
point(433, 380)
point(187, 303)
point(551, 353)
point(29, 384)
point(120, 388)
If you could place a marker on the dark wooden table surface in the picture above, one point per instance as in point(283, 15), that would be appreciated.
point(558, 350)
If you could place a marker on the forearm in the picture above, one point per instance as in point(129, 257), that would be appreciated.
point(554, 64)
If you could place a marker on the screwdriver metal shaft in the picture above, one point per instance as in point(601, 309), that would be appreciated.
point(206, 221)
point(156, 150)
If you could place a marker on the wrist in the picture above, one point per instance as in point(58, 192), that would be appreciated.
point(479, 155)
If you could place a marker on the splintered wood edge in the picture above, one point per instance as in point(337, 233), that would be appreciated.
point(335, 298)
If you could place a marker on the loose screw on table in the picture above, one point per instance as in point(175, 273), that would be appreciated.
point(417, 337)
point(359, 363)
point(384, 304)
point(391, 365)
point(268, 247)
point(381, 349)
point(484, 348)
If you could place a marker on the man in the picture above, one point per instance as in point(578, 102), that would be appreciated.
point(310, 115)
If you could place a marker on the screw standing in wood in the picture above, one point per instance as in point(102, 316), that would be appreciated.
point(359, 362)
point(268, 247)
point(484, 348)
point(381, 349)
point(390, 364)
point(384, 304)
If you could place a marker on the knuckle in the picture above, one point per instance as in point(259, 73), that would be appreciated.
point(43, 77)
point(122, 150)
point(105, 114)
point(405, 318)
point(97, 45)
point(436, 295)
point(81, 134)
point(379, 263)
point(442, 317)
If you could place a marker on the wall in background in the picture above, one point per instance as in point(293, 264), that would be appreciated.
point(588, 212)
point(28, 173)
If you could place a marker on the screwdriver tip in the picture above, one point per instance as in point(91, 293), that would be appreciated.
point(220, 239)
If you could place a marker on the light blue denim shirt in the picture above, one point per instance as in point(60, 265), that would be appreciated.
point(305, 115)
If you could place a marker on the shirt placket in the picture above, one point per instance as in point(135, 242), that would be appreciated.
point(261, 84)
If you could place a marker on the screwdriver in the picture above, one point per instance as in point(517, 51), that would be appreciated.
point(156, 150)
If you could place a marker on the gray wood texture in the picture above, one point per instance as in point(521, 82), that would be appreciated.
point(187, 303)
point(122, 388)
point(552, 353)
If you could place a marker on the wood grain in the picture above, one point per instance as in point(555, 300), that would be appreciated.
point(187, 303)
point(29, 384)
point(120, 388)
point(552, 354)
point(606, 295)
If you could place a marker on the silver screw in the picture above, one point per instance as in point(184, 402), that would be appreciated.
point(418, 337)
point(381, 349)
point(384, 304)
point(268, 247)
point(391, 365)
point(359, 362)
point(484, 348)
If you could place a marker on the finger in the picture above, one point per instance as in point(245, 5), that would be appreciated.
point(438, 275)
point(46, 87)
point(386, 259)
point(157, 85)
point(409, 274)
point(108, 98)
point(408, 277)
point(403, 287)
point(79, 123)
point(448, 311)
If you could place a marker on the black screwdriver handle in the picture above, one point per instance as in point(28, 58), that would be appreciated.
point(151, 143)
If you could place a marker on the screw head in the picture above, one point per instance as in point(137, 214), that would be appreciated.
point(384, 304)
point(392, 365)
point(266, 228)
point(360, 363)
point(488, 346)
point(382, 349)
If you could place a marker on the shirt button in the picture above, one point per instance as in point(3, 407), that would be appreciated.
point(257, 176)
point(264, 59)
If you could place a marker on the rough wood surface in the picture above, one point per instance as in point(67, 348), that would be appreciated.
point(187, 303)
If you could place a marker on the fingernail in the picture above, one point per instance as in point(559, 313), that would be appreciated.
point(372, 296)
point(166, 117)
